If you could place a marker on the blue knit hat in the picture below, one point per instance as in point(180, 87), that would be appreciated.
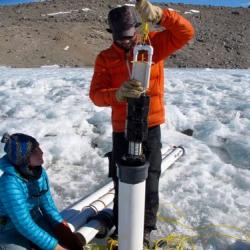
point(19, 147)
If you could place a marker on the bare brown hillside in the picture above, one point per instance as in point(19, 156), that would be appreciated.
point(72, 32)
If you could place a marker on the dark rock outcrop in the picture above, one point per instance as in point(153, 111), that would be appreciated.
point(72, 32)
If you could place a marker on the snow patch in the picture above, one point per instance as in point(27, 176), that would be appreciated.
point(209, 185)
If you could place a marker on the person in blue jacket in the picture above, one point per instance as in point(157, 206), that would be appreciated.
point(29, 218)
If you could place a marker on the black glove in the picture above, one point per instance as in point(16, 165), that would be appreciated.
point(67, 238)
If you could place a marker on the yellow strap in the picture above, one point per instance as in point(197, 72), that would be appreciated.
point(145, 32)
point(145, 35)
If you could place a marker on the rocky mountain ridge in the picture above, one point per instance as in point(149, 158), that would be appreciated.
point(72, 32)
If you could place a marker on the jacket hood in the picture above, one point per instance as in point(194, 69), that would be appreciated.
point(7, 167)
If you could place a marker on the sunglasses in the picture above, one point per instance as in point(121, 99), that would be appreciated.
point(125, 39)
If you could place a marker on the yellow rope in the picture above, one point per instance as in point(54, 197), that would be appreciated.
point(203, 228)
point(180, 241)
point(95, 247)
point(112, 244)
point(174, 241)
point(145, 32)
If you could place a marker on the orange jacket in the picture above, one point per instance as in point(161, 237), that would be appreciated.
point(111, 70)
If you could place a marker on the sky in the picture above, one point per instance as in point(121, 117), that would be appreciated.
point(233, 3)
point(3, 2)
point(207, 191)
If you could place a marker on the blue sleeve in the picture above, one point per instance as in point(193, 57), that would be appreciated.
point(14, 202)
point(48, 206)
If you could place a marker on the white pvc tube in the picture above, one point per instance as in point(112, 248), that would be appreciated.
point(79, 205)
point(91, 229)
point(91, 210)
point(169, 158)
point(132, 208)
point(131, 215)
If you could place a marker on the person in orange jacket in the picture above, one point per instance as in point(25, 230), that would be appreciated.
point(111, 85)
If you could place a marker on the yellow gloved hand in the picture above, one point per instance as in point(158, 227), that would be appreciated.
point(129, 89)
point(148, 11)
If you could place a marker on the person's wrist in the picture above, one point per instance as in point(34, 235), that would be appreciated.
point(118, 96)
point(149, 12)
point(59, 247)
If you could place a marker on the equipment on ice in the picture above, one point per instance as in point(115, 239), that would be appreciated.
point(81, 215)
point(94, 216)
point(133, 167)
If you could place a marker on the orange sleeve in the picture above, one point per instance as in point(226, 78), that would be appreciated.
point(101, 92)
point(178, 31)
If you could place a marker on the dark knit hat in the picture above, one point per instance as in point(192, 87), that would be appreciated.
point(122, 22)
point(19, 147)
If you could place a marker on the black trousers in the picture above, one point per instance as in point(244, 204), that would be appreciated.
point(152, 151)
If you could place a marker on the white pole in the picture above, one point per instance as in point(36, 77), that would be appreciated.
point(132, 198)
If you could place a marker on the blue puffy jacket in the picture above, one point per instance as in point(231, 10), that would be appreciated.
point(18, 197)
